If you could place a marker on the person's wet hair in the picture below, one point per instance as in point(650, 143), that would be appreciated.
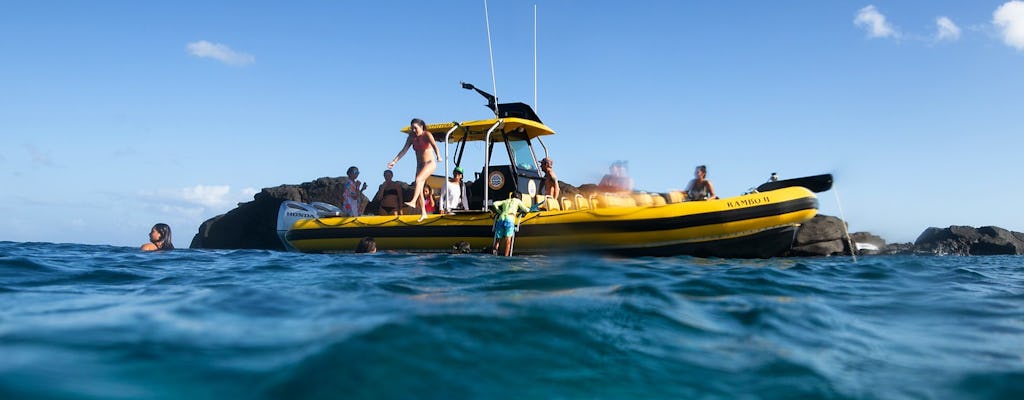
point(165, 236)
point(367, 245)
point(417, 121)
point(352, 170)
point(461, 247)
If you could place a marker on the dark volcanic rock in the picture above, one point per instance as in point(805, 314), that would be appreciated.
point(821, 236)
point(253, 225)
point(966, 240)
point(898, 249)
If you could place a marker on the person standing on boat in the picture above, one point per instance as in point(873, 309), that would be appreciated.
point(455, 194)
point(159, 238)
point(699, 187)
point(389, 194)
point(352, 194)
point(422, 141)
point(550, 179)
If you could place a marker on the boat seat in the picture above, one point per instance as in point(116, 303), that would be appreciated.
point(675, 196)
point(527, 200)
point(567, 204)
point(658, 200)
point(643, 199)
point(551, 204)
point(581, 202)
point(608, 200)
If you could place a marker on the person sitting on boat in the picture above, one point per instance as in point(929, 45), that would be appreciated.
point(352, 194)
point(699, 187)
point(159, 238)
point(617, 179)
point(390, 194)
point(550, 179)
point(429, 206)
point(422, 141)
point(455, 196)
point(505, 223)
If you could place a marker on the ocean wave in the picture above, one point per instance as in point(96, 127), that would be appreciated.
point(113, 322)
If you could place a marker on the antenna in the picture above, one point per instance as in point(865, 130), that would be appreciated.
point(535, 109)
point(494, 81)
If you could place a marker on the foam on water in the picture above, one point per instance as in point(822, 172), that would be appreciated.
point(80, 321)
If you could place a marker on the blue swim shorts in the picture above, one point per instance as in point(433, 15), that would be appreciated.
point(504, 228)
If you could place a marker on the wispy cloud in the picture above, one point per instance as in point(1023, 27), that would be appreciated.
point(1009, 18)
point(39, 157)
point(214, 198)
point(874, 23)
point(219, 52)
point(947, 29)
point(124, 151)
point(190, 206)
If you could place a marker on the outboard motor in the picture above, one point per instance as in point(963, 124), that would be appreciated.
point(326, 210)
point(288, 214)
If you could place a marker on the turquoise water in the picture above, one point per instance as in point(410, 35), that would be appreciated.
point(83, 321)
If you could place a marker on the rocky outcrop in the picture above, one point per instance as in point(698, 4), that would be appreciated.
point(253, 225)
point(966, 240)
point(823, 235)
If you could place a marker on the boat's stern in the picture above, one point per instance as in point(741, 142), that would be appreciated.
point(288, 214)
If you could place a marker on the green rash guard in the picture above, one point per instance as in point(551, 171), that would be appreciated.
point(507, 209)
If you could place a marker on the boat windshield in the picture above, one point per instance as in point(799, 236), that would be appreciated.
point(523, 154)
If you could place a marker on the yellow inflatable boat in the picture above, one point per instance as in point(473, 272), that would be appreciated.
point(758, 224)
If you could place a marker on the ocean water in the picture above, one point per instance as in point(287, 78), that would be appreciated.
point(100, 322)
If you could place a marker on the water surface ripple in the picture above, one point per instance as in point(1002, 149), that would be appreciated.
point(82, 321)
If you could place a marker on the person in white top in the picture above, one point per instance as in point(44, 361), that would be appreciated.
point(455, 196)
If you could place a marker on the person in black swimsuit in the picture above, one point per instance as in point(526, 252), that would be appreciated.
point(390, 195)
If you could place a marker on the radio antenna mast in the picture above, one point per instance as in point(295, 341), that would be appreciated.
point(490, 50)
point(535, 109)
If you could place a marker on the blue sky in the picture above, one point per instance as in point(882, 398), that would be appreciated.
point(116, 115)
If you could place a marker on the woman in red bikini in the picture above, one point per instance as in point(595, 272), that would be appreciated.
point(422, 141)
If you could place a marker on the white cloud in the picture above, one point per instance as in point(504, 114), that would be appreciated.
point(1009, 17)
point(219, 52)
point(874, 22)
point(206, 196)
point(947, 29)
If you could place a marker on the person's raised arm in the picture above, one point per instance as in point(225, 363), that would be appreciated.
point(408, 143)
